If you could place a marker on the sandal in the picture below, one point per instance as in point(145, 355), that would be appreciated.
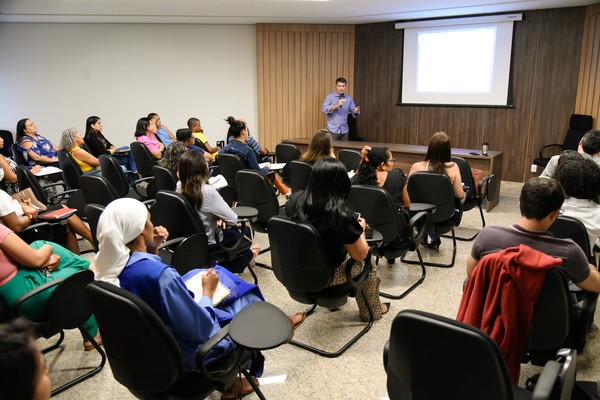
point(302, 315)
point(237, 391)
point(387, 308)
point(88, 346)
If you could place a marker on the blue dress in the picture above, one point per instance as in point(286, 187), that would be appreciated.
point(40, 146)
point(192, 323)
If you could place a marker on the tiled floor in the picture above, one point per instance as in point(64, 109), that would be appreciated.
point(291, 373)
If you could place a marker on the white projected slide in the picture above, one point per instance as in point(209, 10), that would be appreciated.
point(462, 65)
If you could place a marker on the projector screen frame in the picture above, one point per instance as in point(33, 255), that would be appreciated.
point(457, 22)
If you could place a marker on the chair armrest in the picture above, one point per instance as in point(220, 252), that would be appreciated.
point(207, 347)
point(32, 293)
point(482, 187)
point(237, 243)
point(171, 242)
point(547, 380)
point(548, 146)
point(360, 278)
point(58, 197)
point(137, 181)
point(417, 225)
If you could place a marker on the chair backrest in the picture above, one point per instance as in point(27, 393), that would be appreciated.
point(299, 174)
point(17, 155)
point(229, 165)
point(6, 149)
point(571, 228)
point(111, 170)
point(467, 177)
point(350, 159)
point(578, 125)
point(27, 179)
point(432, 188)
point(71, 171)
point(286, 152)
point(92, 213)
point(143, 354)
point(298, 269)
point(164, 178)
point(84, 146)
point(377, 207)
point(144, 160)
point(255, 190)
point(433, 357)
point(70, 291)
point(191, 253)
point(97, 189)
point(173, 211)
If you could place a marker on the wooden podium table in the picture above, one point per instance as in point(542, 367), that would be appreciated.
point(407, 154)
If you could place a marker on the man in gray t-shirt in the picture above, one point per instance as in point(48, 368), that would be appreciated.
point(589, 147)
point(540, 203)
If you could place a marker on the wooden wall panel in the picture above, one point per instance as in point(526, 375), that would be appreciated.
point(296, 67)
point(588, 89)
point(546, 59)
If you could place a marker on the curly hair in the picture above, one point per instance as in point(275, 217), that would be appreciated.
point(367, 170)
point(68, 139)
point(172, 155)
point(580, 178)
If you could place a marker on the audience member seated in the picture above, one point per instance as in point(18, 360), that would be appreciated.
point(129, 244)
point(377, 169)
point(540, 202)
point(18, 216)
point(323, 206)
point(23, 370)
point(261, 153)
point(145, 132)
point(24, 267)
point(580, 178)
point(196, 127)
point(164, 134)
point(212, 209)
point(238, 147)
point(8, 176)
point(439, 160)
point(589, 147)
point(172, 154)
point(70, 141)
point(98, 144)
point(321, 145)
point(36, 149)
point(185, 136)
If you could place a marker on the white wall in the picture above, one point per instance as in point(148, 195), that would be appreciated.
point(59, 74)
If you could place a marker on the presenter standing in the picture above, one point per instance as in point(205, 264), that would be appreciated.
point(337, 106)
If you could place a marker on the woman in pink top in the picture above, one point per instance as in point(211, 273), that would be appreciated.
point(24, 267)
point(145, 132)
point(439, 160)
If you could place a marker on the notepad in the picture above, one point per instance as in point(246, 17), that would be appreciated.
point(58, 214)
point(194, 284)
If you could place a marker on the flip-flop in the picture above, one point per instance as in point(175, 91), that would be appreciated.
point(387, 306)
point(297, 324)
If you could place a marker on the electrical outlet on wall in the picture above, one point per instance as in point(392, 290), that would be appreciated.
point(533, 168)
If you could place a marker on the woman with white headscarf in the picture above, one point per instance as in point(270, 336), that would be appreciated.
point(128, 244)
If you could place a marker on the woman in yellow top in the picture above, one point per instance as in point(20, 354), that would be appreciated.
point(70, 140)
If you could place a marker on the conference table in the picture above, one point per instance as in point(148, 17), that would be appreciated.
point(407, 154)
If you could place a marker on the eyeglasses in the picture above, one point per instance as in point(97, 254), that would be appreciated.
point(392, 160)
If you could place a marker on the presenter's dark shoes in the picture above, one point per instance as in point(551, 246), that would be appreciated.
point(240, 388)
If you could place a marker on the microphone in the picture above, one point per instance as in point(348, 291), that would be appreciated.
point(342, 95)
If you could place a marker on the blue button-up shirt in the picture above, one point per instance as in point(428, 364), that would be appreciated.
point(337, 120)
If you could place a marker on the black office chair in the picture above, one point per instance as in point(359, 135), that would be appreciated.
point(301, 264)
point(350, 159)
point(430, 357)
point(17, 155)
point(399, 234)
point(475, 192)
point(67, 308)
point(286, 152)
point(144, 355)
point(299, 174)
point(571, 228)
point(173, 211)
point(255, 190)
point(144, 161)
point(578, 126)
point(165, 178)
point(229, 165)
point(71, 173)
point(97, 190)
point(9, 140)
point(27, 179)
point(112, 171)
point(436, 189)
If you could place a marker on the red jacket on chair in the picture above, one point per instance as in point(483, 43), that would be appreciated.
point(500, 296)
